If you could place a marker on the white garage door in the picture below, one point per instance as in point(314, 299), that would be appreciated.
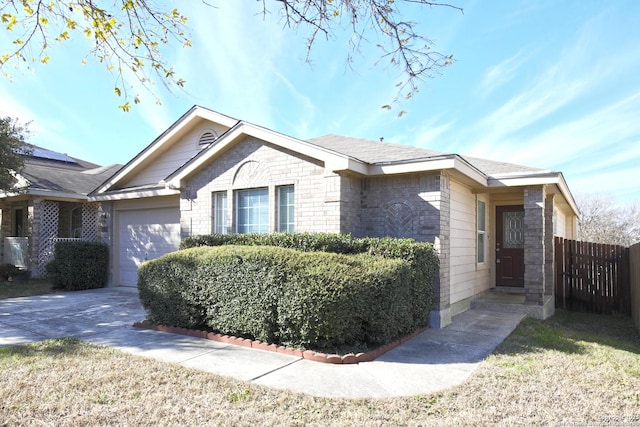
point(145, 234)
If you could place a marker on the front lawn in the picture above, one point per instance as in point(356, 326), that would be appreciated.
point(574, 369)
point(25, 288)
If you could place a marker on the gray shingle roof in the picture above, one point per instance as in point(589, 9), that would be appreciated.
point(78, 181)
point(381, 152)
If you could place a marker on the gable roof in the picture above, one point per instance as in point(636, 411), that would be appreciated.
point(374, 152)
point(388, 158)
point(48, 173)
point(47, 179)
point(162, 143)
point(339, 154)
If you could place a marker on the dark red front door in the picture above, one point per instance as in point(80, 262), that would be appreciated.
point(510, 245)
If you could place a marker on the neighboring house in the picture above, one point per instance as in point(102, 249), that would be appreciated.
point(492, 222)
point(50, 203)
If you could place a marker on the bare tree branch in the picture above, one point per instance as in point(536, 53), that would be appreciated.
point(604, 221)
point(127, 34)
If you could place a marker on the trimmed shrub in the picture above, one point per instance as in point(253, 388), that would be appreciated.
point(78, 265)
point(304, 298)
point(421, 256)
point(8, 270)
point(169, 292)
point(306, 242)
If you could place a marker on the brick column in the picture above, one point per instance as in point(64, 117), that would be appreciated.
point(441, 310)
point(549, 247)
point(534, 245)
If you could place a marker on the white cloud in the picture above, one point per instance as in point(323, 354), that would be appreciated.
point(502, 73)
point(555, 96)
point(230, 67)
point(429, 134)
point(43, 131)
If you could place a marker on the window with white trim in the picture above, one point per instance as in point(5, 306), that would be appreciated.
point(220, 212)
point(286, 214)
point(252, 211)
point(481, 232)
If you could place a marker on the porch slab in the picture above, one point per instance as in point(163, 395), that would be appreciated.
point(512, 300)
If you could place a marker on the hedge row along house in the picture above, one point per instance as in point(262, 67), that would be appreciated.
point(492, 223)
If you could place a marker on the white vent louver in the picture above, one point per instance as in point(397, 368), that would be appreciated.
point(207, 138)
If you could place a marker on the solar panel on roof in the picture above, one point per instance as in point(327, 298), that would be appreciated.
point(43, 153)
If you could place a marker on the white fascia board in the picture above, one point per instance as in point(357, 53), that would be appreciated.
point(134, 194)
point(299, 146)
point(453, 162)
point(393, 168)
point(214, 117)
point(566, 192)
point(331, 159)
point(536, 178)
point(48, 194)
point(469, 171)
point(523, 180)
point(160, 143)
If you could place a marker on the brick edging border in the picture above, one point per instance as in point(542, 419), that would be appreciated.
point(315, 356)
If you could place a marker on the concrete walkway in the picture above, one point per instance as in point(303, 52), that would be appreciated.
point(432, 361)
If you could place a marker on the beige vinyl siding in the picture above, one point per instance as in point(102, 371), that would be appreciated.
point(560, 223)
point(565, 224)
point(507, 199)
point(165, 163)
point(467, 277)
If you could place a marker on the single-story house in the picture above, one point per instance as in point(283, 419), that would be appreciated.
point(49, 203)
point(491, 222)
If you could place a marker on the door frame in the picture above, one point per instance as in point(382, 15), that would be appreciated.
point(518, 280)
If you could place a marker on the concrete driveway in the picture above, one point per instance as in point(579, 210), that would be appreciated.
point(432, 361)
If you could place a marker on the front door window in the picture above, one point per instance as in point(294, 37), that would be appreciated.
point(513, 223)
point(510, 246)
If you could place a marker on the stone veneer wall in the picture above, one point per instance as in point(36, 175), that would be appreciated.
point(350, 214)
point(534, 244)
point(416, 206)
point(256, 164)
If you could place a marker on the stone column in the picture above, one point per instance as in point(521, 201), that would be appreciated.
point(534, 245)
point(441, 311)
point(549, 247)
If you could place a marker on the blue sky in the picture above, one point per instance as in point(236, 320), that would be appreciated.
point(549, 84)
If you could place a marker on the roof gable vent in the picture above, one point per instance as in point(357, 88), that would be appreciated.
point(207, 138)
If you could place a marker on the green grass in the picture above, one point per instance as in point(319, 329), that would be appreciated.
point(26, 288)
point(573, 369)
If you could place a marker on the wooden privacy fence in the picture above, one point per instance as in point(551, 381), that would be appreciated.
point(592, 277)
point(634, 281)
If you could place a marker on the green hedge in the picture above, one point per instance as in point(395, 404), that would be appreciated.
point(78, 265)
point(307, 242)
point(312, 300)
point(309, 298)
